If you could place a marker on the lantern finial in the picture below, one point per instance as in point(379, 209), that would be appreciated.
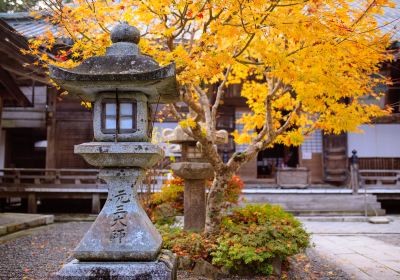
point(123, 32)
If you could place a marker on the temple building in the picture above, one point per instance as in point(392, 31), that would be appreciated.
point(40, 126)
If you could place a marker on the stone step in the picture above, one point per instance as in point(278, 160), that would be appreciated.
point(328, 204)
point(319, 213)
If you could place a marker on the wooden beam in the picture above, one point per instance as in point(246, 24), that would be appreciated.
point(51, 150)
point(26, 73)
point(14, 92)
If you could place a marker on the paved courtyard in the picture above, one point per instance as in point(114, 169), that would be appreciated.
point(38, 252)
point(343, 250)
point(362, 250)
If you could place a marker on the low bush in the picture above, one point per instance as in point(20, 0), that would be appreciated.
point(168, 203)
point(253, 236)
point(249, 240)
point(185, 243)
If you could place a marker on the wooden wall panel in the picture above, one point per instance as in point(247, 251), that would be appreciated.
point(73, 125)
point(315, 166)
point(379, 163)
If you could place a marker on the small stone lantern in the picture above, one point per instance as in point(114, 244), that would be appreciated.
point(122, 243)
point(195, 170)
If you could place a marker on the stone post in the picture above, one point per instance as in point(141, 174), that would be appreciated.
point(194, 169)
point(194, 204)
point(122, 243)
point(354, 172)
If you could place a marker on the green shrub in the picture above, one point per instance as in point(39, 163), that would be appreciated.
point(253, 236)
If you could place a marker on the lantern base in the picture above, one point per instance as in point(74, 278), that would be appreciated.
point(164, 268)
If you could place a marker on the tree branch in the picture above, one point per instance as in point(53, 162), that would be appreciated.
point(206, 108)
point(214, 108)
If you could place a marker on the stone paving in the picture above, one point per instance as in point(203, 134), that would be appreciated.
point(12, 222)
point(362, 250)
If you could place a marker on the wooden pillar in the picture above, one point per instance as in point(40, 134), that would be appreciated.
point(1, 111)
point(95, 203)
point(32, 204)
point(354, 172)
point(2, 138)
point(51, 128)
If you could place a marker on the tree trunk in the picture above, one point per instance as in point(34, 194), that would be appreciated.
point(215, 201)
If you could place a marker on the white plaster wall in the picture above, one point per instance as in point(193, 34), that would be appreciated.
point(380, 140)
point(40, 94)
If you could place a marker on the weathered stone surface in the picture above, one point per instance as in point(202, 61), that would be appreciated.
point(378, 220)
point(124, 32)
point(185, 263)
point(277, 266)
point(204, 268)
point(12, 222)
point(164, 268)
point(122, 67)
point(193, 170)
point(121, 154)
point(293, 177)
point(178, 136)
point(122, 231)
point(194, 205)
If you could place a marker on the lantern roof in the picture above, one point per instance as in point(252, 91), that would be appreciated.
point(178, 136)
point(122, 68)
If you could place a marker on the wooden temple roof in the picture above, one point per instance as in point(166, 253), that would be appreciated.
point(16, 69)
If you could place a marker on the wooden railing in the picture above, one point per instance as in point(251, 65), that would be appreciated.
point(27, 176)
point(379, 178)
point(68, 178)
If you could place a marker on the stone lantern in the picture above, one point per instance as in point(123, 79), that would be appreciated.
point(122, 243)
point(195, 170)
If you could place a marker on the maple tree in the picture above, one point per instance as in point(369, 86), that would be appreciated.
point(303, 65)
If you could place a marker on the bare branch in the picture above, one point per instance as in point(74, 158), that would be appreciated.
point(175, 112)
point(206, 108)
point(214, 108)
point(185, 97)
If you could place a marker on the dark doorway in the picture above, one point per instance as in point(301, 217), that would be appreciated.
point(279, 155)
point(20, 148)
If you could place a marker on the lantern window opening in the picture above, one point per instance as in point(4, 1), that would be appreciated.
point(189, 152)
point(119, 116)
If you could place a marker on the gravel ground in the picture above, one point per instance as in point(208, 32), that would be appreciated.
point(36, 253)
point(43, 251)
point(313, 266)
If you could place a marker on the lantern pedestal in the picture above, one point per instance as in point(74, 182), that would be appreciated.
point(164, 267)
point(122, 230)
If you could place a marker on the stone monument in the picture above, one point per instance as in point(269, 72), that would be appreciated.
point(122, 243)
point(195, 170)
